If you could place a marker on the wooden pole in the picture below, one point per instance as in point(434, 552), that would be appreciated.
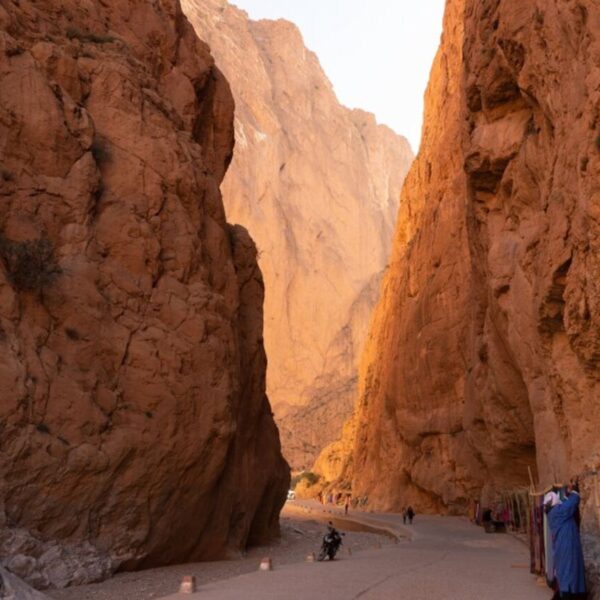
point(531, 483)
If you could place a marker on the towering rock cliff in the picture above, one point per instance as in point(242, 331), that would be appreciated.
point(484, 354)
point(318, 185)
point(134, 425)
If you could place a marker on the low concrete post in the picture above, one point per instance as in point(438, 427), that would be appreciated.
point(188, 585)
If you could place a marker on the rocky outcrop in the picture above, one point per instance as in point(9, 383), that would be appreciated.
point(12, 588)
point(134, 425)
point(318, 185)
point(483, 359)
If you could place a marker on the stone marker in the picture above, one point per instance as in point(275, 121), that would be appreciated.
point(188, 585)
point(266, 564)
point(310, 557)
point(349, 551)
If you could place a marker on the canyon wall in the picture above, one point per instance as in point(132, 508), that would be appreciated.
point(484, 355)
point(318, 185)
point(134, 425)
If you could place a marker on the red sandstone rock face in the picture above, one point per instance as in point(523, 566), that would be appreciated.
point(484, 355)
point(134, 425)
point(318, 186)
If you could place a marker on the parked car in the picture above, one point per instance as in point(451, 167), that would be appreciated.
point(291, 495)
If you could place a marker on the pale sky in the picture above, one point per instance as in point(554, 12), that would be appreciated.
point(377, 53)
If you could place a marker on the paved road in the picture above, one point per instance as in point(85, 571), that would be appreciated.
point(448, 558)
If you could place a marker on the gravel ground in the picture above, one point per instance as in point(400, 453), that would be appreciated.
point(301, 534)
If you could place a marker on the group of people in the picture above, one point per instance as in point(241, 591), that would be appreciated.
point(408, 514)
point(338, 498)
point(562, 510)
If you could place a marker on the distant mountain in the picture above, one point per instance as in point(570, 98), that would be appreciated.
point(318, 187)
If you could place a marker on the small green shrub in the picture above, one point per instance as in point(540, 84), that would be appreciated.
point(31, 264)
point(42, 428)
point(311, 479)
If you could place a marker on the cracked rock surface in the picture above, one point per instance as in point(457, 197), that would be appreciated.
point(134, 425)
point(484, 354)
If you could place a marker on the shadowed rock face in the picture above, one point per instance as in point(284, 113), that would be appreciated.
point(318, 185)
point(484, 354)
point(134, 425)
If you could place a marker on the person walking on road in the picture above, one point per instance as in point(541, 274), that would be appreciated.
point(404, 515)
point(410, 513)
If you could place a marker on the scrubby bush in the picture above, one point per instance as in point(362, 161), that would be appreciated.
point(31, 264)
point(307, 477)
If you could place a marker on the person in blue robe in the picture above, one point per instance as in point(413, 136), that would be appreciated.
point(568, 554)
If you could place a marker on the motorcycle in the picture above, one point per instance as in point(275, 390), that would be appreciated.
point(332, 541)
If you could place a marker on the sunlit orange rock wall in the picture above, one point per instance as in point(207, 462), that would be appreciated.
point(318, 186)
point(484, 356)
point(134, 425)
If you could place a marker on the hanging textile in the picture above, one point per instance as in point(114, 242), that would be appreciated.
point(536, 535)
point(548, 550)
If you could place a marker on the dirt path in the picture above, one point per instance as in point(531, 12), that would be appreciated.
point(448, 558)
point(301, 534)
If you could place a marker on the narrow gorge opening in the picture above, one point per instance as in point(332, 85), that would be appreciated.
point(245, 288)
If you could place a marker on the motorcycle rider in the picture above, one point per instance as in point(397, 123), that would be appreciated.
point(332, 541)
point(333, 532)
